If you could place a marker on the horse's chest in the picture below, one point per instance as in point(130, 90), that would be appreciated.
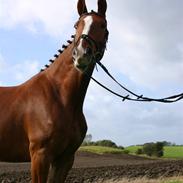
point(71, 133)
point(77, 131)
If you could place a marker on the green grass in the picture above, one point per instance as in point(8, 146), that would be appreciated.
point(173, 181)
point(172, 152)
point(101, 150)
point(133, 149)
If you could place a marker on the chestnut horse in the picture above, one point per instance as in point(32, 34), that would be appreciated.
point(42, 120)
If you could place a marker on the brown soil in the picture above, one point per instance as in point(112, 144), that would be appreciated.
point(90, 168)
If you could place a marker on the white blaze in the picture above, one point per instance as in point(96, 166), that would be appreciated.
point(78, 58)
point(88, 22)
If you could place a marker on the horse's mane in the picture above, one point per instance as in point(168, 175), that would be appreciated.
point(60, 51)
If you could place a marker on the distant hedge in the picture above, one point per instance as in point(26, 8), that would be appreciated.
point(152, 149)
point(105, 143)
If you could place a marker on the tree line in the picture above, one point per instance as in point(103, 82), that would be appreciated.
point(149, 149)
point(106, 143)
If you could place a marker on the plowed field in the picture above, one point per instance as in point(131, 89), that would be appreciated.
point(90, 168)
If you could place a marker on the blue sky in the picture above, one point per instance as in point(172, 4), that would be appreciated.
point(145, 52)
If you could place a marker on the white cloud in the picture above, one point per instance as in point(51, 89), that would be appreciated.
point(53, 16)
point(145, 51)
point(25, 70)
point(17, 73)
point(129, 123)
point(146, 41)
point(1, 62)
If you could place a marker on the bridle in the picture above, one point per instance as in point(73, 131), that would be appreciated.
point(97, 50)
point(98, 53)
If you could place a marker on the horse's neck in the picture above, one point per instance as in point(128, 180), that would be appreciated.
point(70, 83)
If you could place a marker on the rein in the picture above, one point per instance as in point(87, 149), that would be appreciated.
point(97, 56)
point(138, 98)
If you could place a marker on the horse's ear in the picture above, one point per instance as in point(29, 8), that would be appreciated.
point(102, 7)
point(82, 7)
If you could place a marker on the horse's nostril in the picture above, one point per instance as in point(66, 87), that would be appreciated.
point(88, 51)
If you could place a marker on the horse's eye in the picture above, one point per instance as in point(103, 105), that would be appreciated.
point(76, 25)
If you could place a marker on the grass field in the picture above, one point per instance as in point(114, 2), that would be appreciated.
point(101, 150)
point(133, 149)
point(175, 152)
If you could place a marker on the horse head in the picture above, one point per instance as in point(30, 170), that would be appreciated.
point(91, 35)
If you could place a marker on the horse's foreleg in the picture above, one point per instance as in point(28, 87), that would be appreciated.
point(60, 168)
point(39, 165)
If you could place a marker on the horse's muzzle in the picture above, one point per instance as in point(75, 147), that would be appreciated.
point(82, 58)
